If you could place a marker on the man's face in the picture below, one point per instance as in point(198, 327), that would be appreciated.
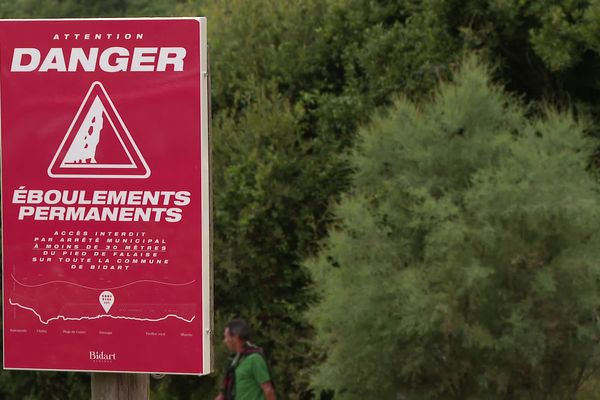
point(229, 340)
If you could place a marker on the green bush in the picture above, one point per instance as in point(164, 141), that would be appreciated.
point(464, 264)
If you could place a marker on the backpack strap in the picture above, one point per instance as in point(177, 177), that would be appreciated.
point(229, 381)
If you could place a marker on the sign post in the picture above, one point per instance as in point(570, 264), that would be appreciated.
point(120, 386)
point(106, 198)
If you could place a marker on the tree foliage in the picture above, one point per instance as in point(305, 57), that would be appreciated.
point(286, 106)
point(464, 262)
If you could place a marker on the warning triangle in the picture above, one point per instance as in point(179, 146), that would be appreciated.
point(97, 143)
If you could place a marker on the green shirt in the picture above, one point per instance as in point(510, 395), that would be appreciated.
point(249, 375)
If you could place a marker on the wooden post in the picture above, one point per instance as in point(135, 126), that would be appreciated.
point(109, 386)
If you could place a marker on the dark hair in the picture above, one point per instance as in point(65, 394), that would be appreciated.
point(240, 328)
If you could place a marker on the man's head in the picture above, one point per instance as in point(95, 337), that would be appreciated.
point(237, 332)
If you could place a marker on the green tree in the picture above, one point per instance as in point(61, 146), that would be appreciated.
point(464, 261)
point(546, 49)
point(282, 122)
point(34, 385)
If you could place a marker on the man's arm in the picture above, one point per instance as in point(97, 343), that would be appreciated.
point(268, 390)
point(220, 397)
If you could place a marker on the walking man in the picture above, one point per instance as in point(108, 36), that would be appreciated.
point(248, 376)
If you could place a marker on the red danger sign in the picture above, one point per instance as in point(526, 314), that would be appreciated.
point(106, 195)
